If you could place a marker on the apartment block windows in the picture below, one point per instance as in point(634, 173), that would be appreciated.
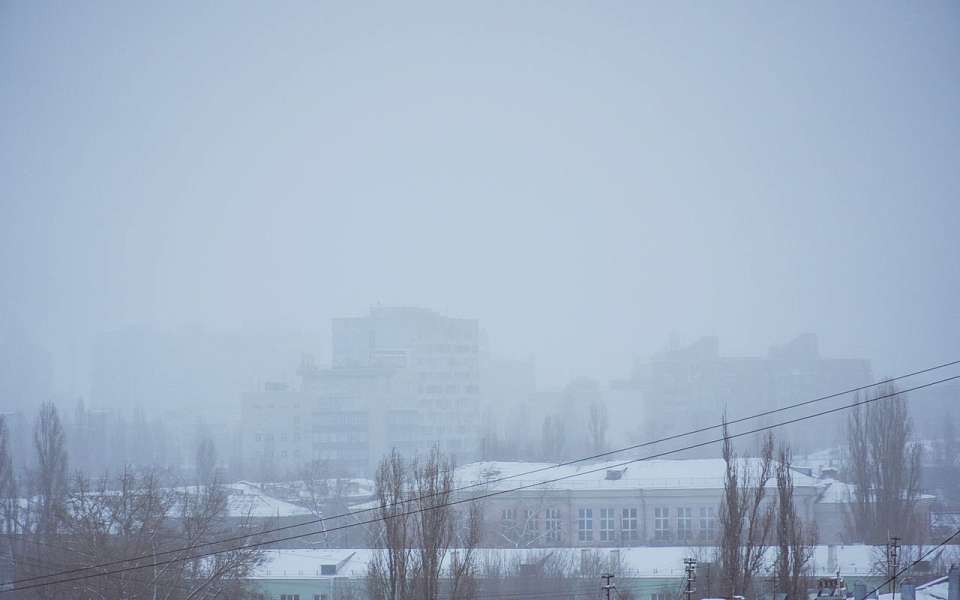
point(661, 523)
point(607, 521)
point(552, 524)
point(684, 523)
point(585, 524)
point(708, 523)
point(628, 525)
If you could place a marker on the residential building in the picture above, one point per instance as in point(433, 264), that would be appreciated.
point(404, 378)
point(690, 387)
point(655, 502)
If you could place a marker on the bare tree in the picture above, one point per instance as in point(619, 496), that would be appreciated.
point(417, 531)
point(389, 572)
point(433, 526)
point(745, 516)
point(130, 519)
point(884, 467)
point(463, 563)
point(8, 482)
point(51, 474)
point(795, 540)
point(598, 426)
point(520, 523)
point(552, 440)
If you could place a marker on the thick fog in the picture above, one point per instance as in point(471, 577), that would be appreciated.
point(590, 181)
point(566, 278)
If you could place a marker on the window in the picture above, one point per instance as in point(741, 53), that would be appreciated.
point(585, 524)
point(531, 526)
point(628, 525)
point(708, 523)
point(508, 521)
point(607, 525)
point(659, 596)
point(684, 523)
point(552, 524)
point(661, 523)
point(289, 596)
point(320, 597)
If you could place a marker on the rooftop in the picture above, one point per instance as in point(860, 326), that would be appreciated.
point(646, 474)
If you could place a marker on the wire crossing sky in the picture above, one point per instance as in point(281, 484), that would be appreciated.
point(472, 498)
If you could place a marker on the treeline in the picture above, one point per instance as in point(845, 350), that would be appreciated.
point(146, 526)
point(100, 442)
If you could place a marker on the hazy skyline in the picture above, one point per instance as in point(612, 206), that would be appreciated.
point(585, 179)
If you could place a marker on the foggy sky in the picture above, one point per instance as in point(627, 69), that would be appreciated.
point(587, 179)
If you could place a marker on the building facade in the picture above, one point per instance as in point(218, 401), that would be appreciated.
point(656, 502)
point(691, 386)
point(404, 378)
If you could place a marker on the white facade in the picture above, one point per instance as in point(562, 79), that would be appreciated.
point(655, 502)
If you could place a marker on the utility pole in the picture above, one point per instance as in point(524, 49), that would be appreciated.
point(893, 562)
point(607, 584)
point(690, 566)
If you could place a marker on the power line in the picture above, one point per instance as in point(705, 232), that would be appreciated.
point(488, 482)
point(914, 563)
point(923, 556)
point(486, 495)
point(483, 496)
point(47, 562)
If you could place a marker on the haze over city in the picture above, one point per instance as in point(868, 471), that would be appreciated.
point(508, 233)
point(587, 180)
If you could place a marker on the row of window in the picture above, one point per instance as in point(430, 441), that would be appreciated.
point(629, 524)
point(683, 517)
point(624, 526)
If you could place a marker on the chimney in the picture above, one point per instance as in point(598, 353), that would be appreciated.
point(953, 583)
point(908, 591)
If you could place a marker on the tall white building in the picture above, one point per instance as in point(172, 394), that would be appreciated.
point(404, 378)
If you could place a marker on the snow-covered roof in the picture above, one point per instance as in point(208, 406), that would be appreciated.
point(707, 473)
point(306, 563)
point(834, 491)
point(690, 474)
point(247, 499)
point(932, 590)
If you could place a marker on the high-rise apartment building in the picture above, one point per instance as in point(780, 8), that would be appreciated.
point(404, 378)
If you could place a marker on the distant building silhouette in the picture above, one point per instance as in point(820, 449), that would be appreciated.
point(689, 387)
point(404, 378)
